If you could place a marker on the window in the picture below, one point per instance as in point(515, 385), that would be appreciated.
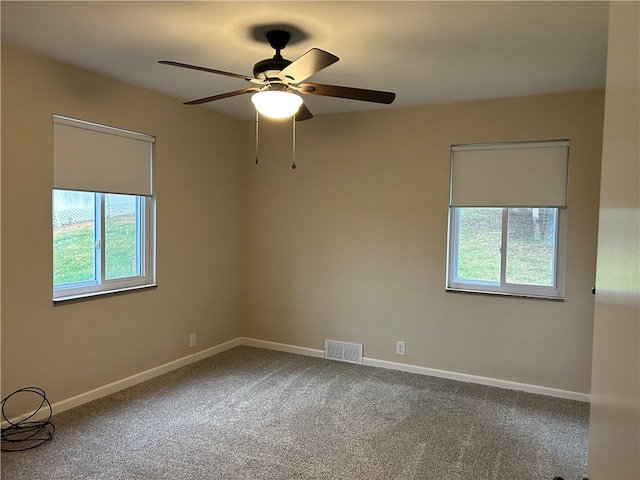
point(103, 209)
point(507, 218)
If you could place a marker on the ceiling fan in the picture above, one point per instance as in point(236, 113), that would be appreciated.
point(278, 81)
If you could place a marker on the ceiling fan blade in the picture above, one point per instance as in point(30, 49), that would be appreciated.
point(303, 113)
point(222, 95)
point(307, 64)
point(347, 92)
point(209, 70)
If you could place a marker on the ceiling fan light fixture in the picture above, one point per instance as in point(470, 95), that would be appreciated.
point(276, 103)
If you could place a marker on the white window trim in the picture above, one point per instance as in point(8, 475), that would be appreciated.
point(106, 286)
point(555, 292)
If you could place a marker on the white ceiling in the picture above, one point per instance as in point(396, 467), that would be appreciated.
point(427, 52)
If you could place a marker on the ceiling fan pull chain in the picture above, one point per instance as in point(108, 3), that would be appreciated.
point(293, 165)
point(257, 121)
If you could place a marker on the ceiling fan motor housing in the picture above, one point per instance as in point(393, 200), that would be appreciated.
point(270, 67)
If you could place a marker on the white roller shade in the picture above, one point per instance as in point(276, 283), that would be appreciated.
point(97, 158)
point(532, 174)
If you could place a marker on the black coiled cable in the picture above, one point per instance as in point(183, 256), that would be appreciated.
point(26, 433)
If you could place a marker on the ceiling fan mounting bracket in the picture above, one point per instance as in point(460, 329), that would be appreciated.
point(278, 39)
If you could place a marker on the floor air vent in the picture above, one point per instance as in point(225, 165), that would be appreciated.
point(344, 352)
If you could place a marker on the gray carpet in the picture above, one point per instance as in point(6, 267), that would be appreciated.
point(250, 413)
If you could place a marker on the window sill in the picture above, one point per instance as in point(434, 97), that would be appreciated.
point(505, 294)
point(92, 295)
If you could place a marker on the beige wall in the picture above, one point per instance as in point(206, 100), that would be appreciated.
point(70, 349)
point(614, 435)
point(351, 245)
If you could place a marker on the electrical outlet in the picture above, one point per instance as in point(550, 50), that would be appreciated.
point(400, 348)
point(192, 340)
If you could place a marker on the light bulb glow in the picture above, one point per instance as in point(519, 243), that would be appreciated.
point(276, 103)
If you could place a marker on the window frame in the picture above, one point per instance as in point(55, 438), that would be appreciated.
point(555, 292)
point(102, 160)
point(144, 251)
point(100, 284)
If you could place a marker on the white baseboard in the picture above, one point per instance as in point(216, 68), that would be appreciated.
point(461, 377)
point(142, 376)
point(282, 347)
point(465, 377)
point(118, 385)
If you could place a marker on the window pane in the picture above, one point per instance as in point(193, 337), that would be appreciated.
point(121, 234)
point(73, 237)
point(531, 236)
point(479, 241)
